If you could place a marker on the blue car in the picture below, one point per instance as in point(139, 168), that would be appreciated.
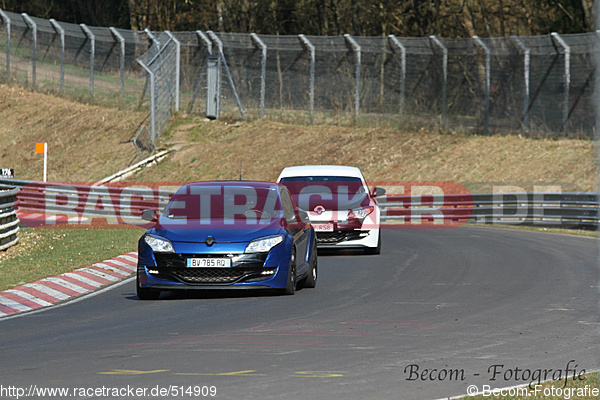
point(227, 235)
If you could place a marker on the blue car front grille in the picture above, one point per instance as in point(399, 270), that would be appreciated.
point(170, 260)
point(245, 267)
point(209, 275)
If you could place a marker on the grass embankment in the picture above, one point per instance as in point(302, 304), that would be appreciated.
point(44, 252)
point(260, 149)
point(85, 142)
point(88, 143)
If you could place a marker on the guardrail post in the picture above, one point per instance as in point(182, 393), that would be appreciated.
point(263, 70)
point(308, 46)
point(9, 221)
point(31, 24)
point(566, 79)
point(121, 41)
point(88, 33)
point(396, 43)
point(7, 24)
point(488, 66)
point(444, 49)
point(526, 68)
point(356, 49)
point(59, 29)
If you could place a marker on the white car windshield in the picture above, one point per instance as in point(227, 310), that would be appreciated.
point(331, 192)
point(316, 184)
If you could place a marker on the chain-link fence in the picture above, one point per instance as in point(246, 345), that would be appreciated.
point(529, 85)
point(79, 61)
point(161, 63)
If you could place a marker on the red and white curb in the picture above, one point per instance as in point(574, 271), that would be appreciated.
point(36, 219)
point(57, 289)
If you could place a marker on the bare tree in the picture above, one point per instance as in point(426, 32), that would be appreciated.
point(445, 18)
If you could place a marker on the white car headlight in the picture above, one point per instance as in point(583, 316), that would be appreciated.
point(360, 213)
point(263, 245)
point(159, 245)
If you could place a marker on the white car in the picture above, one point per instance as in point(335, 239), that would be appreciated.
point(342, 210)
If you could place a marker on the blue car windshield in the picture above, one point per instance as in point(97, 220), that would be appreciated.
point(222, 202)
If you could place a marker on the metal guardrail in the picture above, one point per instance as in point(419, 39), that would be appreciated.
point(9, 222)
point(125, 204)
point(566, 210)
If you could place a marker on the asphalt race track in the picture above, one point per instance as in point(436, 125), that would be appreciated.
point(439, 310)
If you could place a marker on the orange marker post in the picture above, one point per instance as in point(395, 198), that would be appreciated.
point(43, 148)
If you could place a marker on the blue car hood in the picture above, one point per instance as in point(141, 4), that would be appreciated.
point(195, 232)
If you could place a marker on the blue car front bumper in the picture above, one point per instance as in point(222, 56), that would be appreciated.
point(169, 271)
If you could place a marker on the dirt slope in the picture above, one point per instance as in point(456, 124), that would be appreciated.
point(85, 142)
point(218, 150)
point(88, 143)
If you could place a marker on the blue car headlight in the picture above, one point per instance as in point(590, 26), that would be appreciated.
point(263, 245)
point(159, 245)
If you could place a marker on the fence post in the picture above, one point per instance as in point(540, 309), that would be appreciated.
point(121, 41)
point(526, 67)
point(263, 70)
point(219, 43)
point(566, 78)
point(7, 23)
point(61, 32)
point(202, 36)
point(152, 37)
point(488, 66)
point(206, 41)
point(29, 22)
point(213, 87)
point(152, 82)
point(177, 68)
point(438, 43)
point(356, 49)
point(308, 46)
point(153, 41)
point(596, 88)
point(88, 33)
point(396, 43)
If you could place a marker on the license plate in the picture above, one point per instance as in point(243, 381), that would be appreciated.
point(209, 263)
point(323, 227)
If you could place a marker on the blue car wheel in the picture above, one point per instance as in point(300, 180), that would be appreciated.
point(291, 281)
point(145, 293)
point(311, 278)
